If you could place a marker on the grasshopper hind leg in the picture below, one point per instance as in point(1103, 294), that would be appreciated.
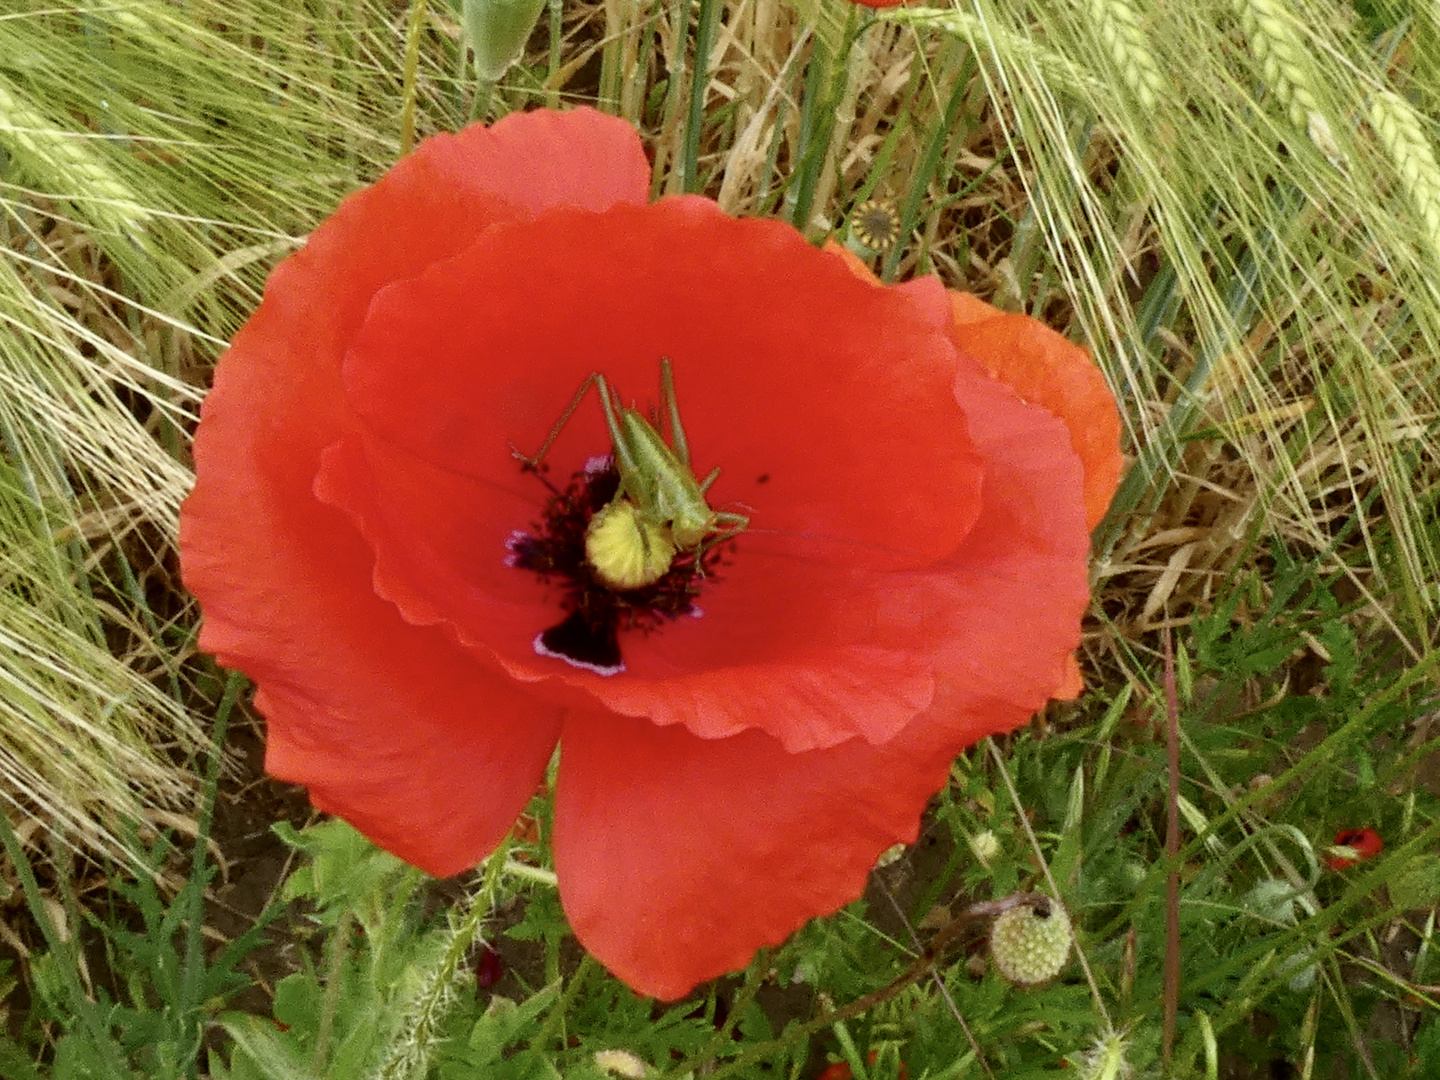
point(533, 463)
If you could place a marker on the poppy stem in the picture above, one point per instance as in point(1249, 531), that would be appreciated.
point(553, 1026)
point(428, 1005)
point(754, 977)
point(705, 28)
point(480, 105)
point(537, 874)
point(339, 950)
point(1171, 991)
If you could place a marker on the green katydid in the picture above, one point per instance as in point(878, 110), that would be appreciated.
point(659, 509)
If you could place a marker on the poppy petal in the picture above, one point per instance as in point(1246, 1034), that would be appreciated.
point(679, 856)
point(1046, 368)
point(388, 725)
point(875, 464)
point(534, 161)
point(1353, 845)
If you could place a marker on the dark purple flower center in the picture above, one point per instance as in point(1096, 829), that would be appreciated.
point(595, 613)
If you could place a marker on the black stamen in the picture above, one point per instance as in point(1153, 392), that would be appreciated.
point(580, 642)
point(596, 614)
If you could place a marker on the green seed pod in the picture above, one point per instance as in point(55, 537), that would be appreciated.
point(498, 31)
point(625, 550)
point(1029, 947)
point(875, 224)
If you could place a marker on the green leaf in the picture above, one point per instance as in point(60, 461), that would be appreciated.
point(504, 1023)
point(1417, 885)
point(265, 1046)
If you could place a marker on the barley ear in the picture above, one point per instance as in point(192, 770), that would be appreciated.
point(1118, 26)
point(1288, 70)
point(1403, 136)
point(67, 164)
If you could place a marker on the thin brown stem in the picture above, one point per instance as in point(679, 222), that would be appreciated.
point(1172, 854)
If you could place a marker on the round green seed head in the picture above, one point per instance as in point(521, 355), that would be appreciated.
point(625, 551)
point(1029, 948)
point(875, 224)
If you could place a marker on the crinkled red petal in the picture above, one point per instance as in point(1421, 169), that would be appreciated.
point(1046, 368)
point(1364, 842)
point(389, 725)
point(826, 401)
point(678, 857)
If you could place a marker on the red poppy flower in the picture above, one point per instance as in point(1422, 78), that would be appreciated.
point(912, 579)
point(1353, 846)
point(841, 1070)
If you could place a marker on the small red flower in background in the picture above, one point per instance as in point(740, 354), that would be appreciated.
point(841, 1070)
point(489, 969)
point(920, 472)
point(1352, 846)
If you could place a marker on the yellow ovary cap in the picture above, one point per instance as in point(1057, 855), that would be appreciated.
point(625, 551)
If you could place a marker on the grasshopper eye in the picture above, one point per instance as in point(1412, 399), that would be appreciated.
point(632, 542)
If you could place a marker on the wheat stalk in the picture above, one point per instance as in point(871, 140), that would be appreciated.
point(1288, 69)
point(1118, 25)
point(64, 162)
point(1403, 137)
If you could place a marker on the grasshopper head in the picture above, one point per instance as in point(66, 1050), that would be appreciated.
point(692, 525)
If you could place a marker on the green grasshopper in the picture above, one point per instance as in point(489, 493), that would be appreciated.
point(659, 509)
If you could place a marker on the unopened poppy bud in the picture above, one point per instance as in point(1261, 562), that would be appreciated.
point(498, 31)
point(1028, 947)
point(625, 551)
point(986, 846)
point(621, 1063)
point(489, 968)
